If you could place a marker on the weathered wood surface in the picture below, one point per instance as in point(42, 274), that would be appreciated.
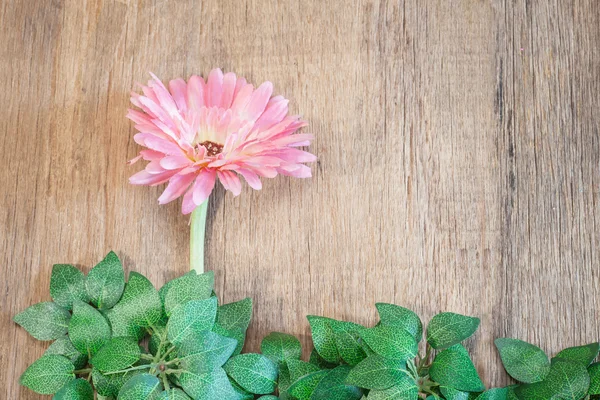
point(458, 144)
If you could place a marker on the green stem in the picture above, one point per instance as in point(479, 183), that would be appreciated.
point(197, 231)
point(173, 361)
point(164, 356)
point(82, 371)
point(145, 366)
point(165, 381)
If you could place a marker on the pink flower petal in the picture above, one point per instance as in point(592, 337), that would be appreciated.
point(162, 145)
point(164, 97)
point(151, 155)
point(230, 182)
point(242, 98)
point(295, 155)
point(178, 184)
point(301, 172)
point(293, 140)
point(195, 93)
point(134, 160)
point(239, 84)
point(215, 88)
point(153, 167)
point(178, 89)
point(252, 179)
point(157, 111)
point(205, 182)
point(276, 110)
point(258, 101)
point(175, 162)
point(146, 178)
point(229, 81)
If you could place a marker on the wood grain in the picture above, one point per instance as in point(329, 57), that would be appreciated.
point(458, 145)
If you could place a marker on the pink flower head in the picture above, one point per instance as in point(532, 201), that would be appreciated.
point(196, 131)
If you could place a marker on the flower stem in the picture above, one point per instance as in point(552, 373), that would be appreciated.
point(197, 231)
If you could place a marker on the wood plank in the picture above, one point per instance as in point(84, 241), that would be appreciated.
point(458, 160)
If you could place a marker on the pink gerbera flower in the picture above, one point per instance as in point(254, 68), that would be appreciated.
point(197, 131)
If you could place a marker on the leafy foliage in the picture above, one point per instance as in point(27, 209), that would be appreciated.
point(44, 321)
point(105, 282)
point(447, 329)
point(48, 374)
point(67, 284)
point(100, 322)
point(523, 361)
point(453, 368)
point(127, 340)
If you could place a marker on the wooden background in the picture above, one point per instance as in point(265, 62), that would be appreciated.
point(458, 145)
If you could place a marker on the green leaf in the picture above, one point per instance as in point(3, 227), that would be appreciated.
point(323, 337)
point(347, 341)
point(394, 315)
point(268, 397)
point(173, 394)
point(158, 333)
point(67, 284)
point(253, 372)
point(235, 315)
point(303, 388)
point(333, 386)
point(117, 354)
point(208, 385)
point(299, 368)
point(241, 393)
point(284, 380)
point(391, 342)
point(44, 321)
point(141, 387)
point(511, 392)
point(453, 394)
point(193, 317)
point(453, 368)
point(48, 374)
point(234, 333)
point(447, 329)
point(63, 346)
point(594, 372)
point(109, 385)
point(78, 389)
point(165, 288)
point(318, 361)
point(377, 372)
point(188, 287)
point(494, 394)
point(566, 380)
point(405, 389)
point(581, 354)
point(523, 361)
point(140, 304)
point(205, 350)
point(105, 282)
point(123, 325)
point(88, 329)
point(279, 347)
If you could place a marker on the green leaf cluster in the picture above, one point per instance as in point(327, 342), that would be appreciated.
point(123, 340)
point(570, 374)
point(350, 361)
point(120, 340)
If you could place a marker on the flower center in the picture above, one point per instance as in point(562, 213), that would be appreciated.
point(212, 148)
